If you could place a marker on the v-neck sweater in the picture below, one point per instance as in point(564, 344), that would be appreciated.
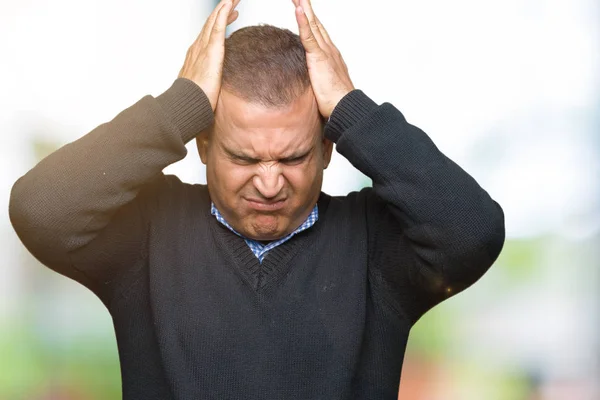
point(196, 316)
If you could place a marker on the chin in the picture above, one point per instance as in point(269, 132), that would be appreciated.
point(266, 227)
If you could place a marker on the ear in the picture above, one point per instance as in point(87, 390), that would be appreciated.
point(202, 143)
point(327, 150)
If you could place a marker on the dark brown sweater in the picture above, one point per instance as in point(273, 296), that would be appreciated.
point(325, 316)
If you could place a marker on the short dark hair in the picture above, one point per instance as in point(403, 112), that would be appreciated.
point(265, 65)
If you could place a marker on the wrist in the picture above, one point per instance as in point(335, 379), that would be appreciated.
point(188, 108)
point(352, 108)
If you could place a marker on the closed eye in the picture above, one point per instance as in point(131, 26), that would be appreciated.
point(241, 159)
point(244, 160)
point(294, 160)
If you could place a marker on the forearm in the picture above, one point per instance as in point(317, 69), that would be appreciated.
point(451, 223)
point(71, 195)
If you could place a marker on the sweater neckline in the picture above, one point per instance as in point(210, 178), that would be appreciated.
point(261, 248)
point(263, 277)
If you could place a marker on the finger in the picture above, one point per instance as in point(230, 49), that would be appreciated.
point(232, 16)
point(296, 4)
point(306, 34)
point(205, 35)
point(233, 13)
point(324, 32)
point(307, 7)
point(235, 4)
point(217, 33)
point(209, 22)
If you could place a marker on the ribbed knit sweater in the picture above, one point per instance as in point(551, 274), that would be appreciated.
point(197, 316)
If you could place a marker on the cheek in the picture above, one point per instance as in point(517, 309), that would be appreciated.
point(303, 179)
point(229, 177)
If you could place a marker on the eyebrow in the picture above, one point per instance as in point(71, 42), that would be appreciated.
point(239, 156)
point(245, 157)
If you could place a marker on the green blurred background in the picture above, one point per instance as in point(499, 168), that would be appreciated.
point(508, 89)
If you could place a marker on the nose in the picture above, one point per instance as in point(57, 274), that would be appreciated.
point(269, 181)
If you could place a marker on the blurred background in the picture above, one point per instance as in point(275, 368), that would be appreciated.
point(509, 89)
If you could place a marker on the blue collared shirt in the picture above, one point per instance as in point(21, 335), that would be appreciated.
point(258, 248)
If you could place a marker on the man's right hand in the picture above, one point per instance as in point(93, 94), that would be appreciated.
point(204, 60)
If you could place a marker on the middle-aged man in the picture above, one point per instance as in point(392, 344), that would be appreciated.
point(258, 285)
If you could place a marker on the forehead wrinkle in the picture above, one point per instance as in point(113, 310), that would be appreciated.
point(229, 140)
point(277, 145)
point(251, 130)
point(267, 146)
point(271, 146)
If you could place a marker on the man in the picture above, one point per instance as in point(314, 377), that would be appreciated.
point(258, 285)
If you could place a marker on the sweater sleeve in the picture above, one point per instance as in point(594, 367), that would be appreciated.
point(433, 231)
point(83, 210)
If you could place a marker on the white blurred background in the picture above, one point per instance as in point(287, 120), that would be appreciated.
point(508, 89)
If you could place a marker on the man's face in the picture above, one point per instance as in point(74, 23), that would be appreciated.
point(264, 166)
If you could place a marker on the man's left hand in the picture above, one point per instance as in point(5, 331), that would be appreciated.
point(327, 70)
